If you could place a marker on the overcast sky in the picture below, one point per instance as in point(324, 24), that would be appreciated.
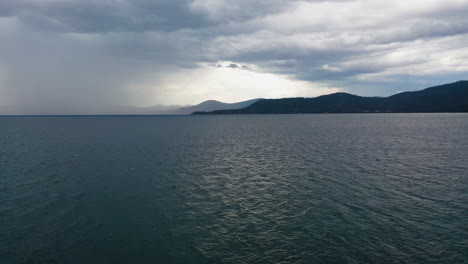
point(66, 56)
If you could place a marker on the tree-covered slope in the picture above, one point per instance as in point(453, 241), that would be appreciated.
point(444, 98)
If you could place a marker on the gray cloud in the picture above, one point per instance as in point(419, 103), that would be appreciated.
point(72, 55)
point(104, 16)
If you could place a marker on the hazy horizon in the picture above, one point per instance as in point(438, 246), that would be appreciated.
point(161, 109)
point(66, 57)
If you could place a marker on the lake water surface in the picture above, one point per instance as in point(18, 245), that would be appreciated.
point(348, 188)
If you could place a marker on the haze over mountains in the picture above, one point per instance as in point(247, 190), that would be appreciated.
point(212, 105)
point(206, 106)
point(451, 97)
point(444, 98)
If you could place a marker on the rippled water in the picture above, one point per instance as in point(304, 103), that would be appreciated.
point(234, 189)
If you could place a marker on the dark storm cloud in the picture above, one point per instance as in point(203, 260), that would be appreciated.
point(93, 53)
point(91, 16)
point(232, 66)
point(105, 16)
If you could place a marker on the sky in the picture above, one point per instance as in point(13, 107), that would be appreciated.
point(92, 56)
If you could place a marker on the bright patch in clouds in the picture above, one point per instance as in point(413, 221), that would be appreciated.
point(227, 83)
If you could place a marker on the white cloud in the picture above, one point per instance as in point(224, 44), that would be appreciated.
point(331, 68)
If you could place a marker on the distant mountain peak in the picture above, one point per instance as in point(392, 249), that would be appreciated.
point(210, 102)
point(213, 105)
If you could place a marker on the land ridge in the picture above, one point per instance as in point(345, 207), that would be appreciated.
point(452, 97)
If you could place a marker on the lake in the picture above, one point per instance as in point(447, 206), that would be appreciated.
point(348, 188)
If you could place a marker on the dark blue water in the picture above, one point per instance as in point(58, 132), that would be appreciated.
point(234, 189)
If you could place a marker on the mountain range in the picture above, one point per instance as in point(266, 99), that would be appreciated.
point(451, 97)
